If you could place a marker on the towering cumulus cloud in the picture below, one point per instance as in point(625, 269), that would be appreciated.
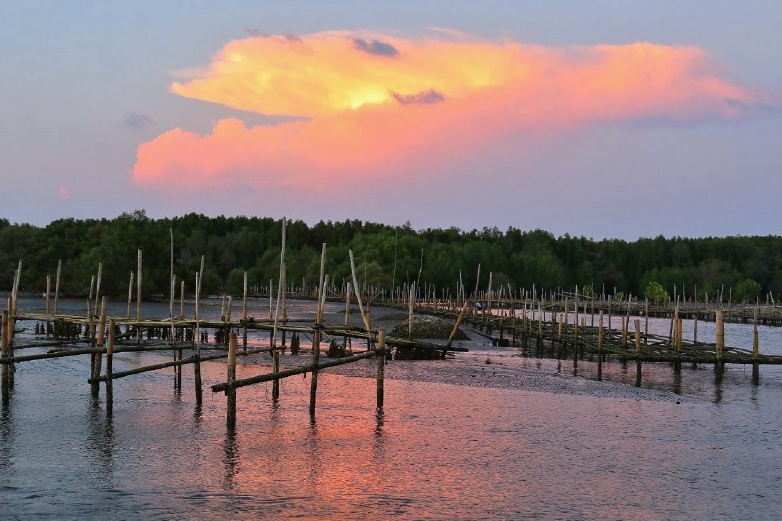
point(369, 105)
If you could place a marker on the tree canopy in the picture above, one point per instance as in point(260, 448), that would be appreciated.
point(385, 256)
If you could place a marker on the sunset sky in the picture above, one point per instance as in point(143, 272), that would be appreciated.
point(608, 119)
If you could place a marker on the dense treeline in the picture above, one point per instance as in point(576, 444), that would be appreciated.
point(386, 256)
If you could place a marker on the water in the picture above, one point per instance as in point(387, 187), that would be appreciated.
point(436, 451)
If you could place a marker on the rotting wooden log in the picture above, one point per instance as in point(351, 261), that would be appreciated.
point(221, 387)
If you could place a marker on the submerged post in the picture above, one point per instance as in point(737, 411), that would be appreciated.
point(381, 361)
point(230, 390)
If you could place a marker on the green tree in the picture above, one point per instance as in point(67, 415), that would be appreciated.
point(655, 292)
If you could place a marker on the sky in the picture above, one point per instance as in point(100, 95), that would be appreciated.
point(595, 118)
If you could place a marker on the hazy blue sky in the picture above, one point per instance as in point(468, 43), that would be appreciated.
point(596, 118)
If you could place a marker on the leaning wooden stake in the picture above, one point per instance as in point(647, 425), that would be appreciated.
point(230, 390)
point(358, 292)
point(455, 329)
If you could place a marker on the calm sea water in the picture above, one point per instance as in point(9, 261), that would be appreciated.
point(436, 451)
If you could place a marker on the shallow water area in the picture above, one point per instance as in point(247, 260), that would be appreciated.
point(514, 438)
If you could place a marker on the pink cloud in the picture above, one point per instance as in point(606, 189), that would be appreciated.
point(380, 106)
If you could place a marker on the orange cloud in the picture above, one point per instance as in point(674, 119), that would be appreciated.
point(381, 105)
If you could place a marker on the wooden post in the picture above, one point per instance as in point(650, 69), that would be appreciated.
point(197, 335)
point(755, 349)
point(677, 365)
point(276, 381)
point(381, 361)
point(109, 371)
point(600, 335)
point(99, 343)
point(48, 292)
point(138, 296)
point(720, 340)
point(410, 306)
point(637, 352)
point(316, 337)
point(230, 390)
point(6, 377)
point(130, 295)
point(244, 313)
point(280, 297)
point(345, 340)
point(57, 287)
